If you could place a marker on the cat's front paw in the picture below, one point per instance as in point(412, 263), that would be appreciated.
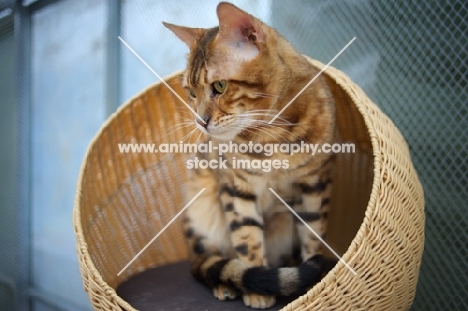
point(257, 301)
point(224, 292)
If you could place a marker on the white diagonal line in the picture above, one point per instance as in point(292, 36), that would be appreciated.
point(162, 230)
point(316, 76)
point(161, 79)
point(312, 230)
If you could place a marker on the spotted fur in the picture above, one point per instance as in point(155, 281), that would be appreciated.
point(243, 240)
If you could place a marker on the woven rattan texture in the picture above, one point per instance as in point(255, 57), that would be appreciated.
point(124, 199)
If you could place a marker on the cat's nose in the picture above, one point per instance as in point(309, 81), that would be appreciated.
point(207, 121)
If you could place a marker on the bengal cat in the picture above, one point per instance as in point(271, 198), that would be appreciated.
point(243, 239)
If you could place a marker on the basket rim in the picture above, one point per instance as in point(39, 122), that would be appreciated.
point(331, 72)
point(345, 84)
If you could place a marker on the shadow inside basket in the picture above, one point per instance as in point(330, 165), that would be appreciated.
point(171, 287)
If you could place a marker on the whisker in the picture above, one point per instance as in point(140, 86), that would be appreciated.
point(279, 138)
point(190, 137)
point(245, 114)
point(265, 95)
point(291, 133)
point(261, 124)
point(263, 110)
point(186, 136)
point(250, 131)
point(286, 122)
point(259, 129)
point(182, 123)
point(201, 133)
point(180, 127)
point(275, 123)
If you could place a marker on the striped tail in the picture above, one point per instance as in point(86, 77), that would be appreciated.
point(215, 270)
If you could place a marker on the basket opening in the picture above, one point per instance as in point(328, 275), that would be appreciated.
point(126, 198)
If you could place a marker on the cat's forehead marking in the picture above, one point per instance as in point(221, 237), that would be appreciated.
point(198, 61)
point(226, 59)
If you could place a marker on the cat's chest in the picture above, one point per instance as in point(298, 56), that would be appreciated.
point(265, 187)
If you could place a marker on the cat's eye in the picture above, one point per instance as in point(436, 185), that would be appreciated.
point(219, 86)
point(192, 93)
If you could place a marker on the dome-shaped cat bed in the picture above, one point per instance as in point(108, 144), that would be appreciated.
point(124, 199)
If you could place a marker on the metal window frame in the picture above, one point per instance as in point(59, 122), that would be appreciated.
point(21, 33)
point(8, 283)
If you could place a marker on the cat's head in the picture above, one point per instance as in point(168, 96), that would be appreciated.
point(230, 77)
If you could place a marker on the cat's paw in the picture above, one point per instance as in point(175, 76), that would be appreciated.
point(224, 292)
point(257, 301)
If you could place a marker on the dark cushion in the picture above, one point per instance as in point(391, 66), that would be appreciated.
point(172, 288)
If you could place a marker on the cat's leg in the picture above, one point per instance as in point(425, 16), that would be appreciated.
point(281, 242)
point(246, 225)
point(206, 229)
point(224, 292)
point(313, 209)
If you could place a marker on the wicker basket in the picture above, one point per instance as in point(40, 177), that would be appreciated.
point(376, 223)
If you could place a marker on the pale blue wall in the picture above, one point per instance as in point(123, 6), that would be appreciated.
point(67, 95)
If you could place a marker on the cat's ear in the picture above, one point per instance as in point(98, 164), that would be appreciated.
point(237, 26)
point(189, 35)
